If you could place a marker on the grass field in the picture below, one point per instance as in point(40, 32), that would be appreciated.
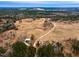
point(61, 32)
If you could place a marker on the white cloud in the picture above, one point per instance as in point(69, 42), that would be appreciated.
point(48, 2)
point(39, 0)
point(33, 2)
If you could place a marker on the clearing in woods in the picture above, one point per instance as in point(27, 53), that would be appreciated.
point(60, 32)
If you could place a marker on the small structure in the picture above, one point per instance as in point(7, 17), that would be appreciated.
point(27, 41)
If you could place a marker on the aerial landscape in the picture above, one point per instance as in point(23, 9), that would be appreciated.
point(39, 29)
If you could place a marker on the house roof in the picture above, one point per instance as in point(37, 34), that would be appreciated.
point(27, 39)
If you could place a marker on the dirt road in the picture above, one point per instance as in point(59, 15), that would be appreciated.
point(52, 29)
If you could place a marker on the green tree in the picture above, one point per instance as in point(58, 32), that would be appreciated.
point(75, 45)
point(45, 51)
point(19, 49)
point(2, 50)
point(51, 50)
point(31, 51)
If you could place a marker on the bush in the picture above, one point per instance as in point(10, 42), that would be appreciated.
point(75, 46)
point(19, 49)
point(2, 50)
point(58, 50)
point(45, 51)
point(50, 50)
point(31, 51)
point(32, 37)
point(7, 26)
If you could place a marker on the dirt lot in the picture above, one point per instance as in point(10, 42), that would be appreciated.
point(61, 32)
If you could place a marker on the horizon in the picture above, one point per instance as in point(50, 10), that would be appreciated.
point(39, 4)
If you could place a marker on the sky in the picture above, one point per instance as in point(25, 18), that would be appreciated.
point(39, 3)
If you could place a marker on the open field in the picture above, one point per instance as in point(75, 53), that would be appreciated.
point(61, 32)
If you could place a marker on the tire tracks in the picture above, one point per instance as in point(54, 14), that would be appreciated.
point(52, 29)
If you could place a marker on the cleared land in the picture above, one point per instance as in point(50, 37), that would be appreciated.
point(61, 32)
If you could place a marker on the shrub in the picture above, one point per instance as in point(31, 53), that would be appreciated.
point(7, 26)
point(2, 50)
point(50, 50)
point(45, 51)
point(32, 37)
point(31, 51)
point(19, 49)
point(58, 50)
point(75, 45)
